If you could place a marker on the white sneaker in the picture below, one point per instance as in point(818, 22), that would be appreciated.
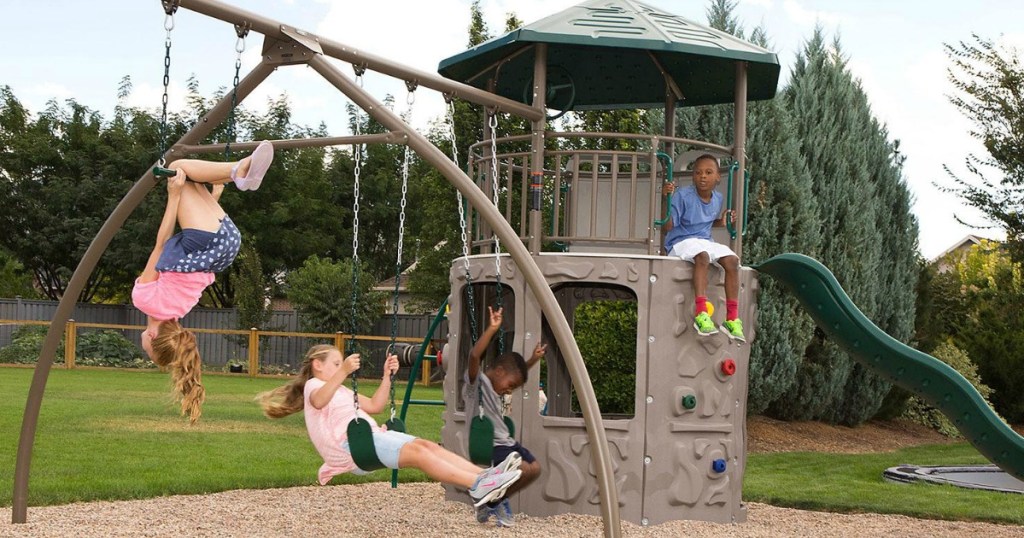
point(507, 465)
point(490, 487)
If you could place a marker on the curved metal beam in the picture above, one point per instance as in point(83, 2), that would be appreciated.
point(600, 454)
point(99, 244)
point(359, 58)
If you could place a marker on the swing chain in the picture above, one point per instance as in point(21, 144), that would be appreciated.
point(495, 188)
point(493, 124)
point(169, 8)
point(410, 99)
point(462, 220)
point(357, 155)
point(355, 394)
point(241, 31)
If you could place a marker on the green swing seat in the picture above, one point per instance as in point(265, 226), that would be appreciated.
point(481, 439)
point(360, 442)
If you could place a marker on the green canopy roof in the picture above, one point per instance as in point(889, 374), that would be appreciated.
point(605, 54)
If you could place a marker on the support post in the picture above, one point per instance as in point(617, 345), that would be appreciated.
point(600, 453)
point(70, 343)
point(670, 132)
point(540, 70)
point(254, 352)
point(425, 377)
point(739, 154)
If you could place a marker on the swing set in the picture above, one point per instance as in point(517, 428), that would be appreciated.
point(564, 65)
point(287, 46)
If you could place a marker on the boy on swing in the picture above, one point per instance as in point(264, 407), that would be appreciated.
point(505, 373)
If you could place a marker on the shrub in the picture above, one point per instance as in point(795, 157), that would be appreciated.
point(26, 341)
point(321, 291)
point(606, 334)
point(95, 348)
point(109, 348)
point(921, 412)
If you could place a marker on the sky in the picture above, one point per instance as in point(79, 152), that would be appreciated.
point(63, 49)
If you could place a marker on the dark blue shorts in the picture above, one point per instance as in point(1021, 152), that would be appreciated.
point(501, 452)
point(199, 251)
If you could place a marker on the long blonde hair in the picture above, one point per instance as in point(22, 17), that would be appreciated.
point(290, 398)
point(174, 348)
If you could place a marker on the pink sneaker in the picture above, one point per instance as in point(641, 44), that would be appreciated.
point(258, 166)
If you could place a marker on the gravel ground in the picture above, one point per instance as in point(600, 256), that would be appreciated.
point(375, 509)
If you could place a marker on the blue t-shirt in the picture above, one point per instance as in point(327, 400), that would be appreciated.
point(691, 216)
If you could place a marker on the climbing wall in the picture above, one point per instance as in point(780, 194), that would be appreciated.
point(679, 452)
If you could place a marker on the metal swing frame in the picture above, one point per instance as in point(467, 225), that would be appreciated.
point(286, 45)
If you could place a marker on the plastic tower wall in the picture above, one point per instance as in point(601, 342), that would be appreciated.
point(668, 456)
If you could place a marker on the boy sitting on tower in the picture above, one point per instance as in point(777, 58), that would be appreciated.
point(693, 211)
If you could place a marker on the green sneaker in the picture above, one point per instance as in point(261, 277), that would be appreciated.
point(704, 325)
point(734, 329)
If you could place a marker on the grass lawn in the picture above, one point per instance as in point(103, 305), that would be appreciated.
point(853, 483)
point(115, 434)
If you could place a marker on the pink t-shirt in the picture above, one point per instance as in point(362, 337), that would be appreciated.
point(171, 295)
point(328, 428)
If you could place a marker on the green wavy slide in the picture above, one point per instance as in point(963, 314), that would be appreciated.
point(927, 377)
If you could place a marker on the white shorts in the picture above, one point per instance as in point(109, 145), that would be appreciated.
point(687, 249)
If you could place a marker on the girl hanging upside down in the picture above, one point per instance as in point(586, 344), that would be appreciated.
point(183, 265)
point(328, 407)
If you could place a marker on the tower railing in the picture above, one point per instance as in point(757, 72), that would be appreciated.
point(593, 200)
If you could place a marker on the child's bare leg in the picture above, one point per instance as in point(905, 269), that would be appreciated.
point(453, 459)
point(199, 209)
point(418, 454)
point(731, 264)
point(201, 171)
point(700, 274)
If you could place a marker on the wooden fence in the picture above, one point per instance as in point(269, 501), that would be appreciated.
point(276, 350)
point(373, 347)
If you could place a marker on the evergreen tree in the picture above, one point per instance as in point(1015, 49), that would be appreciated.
point(895, 276)
point(14, 280)
point(322, 292)
point(868, 234)
point(820, 95)
point(783, 218)
point(61, 174)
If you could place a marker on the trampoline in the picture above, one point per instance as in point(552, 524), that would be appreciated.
point(985, 477)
